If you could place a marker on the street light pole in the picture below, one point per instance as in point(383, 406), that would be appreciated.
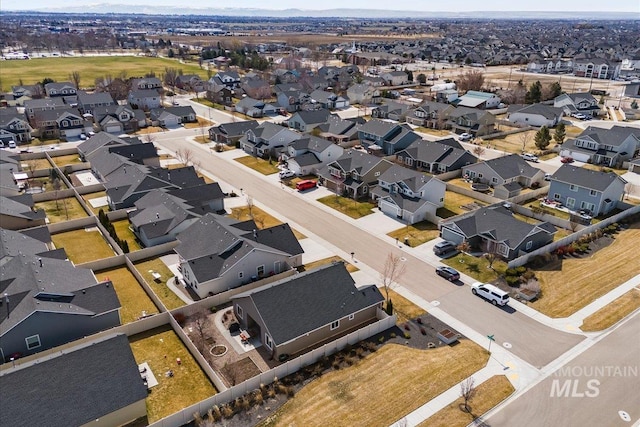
point(491, 339)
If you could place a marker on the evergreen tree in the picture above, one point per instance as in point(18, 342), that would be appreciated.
point(542, 138)
point(556, 89)
point(560, 133)
point(534, 94)
point(410, 75)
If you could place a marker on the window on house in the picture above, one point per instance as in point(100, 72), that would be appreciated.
point(573, 187)
point(239, 312)
point(33, 342)
point(503, 249)
point(593, 192)
point(571, 202)
point(494, 180)
point(335, 325)
point(479, 175)
point(267, 341)
point(556, 196)
point(377, 173)
point(352, 316)
point(529, 245)
point(240, 274)
point(260, 270)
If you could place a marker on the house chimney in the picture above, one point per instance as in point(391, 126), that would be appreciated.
point(255, 234)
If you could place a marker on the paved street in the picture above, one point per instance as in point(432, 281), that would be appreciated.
point(590, 398)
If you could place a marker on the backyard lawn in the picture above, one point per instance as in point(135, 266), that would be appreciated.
point(36, 164)
point(263, 166)
point(92, 196)
point(348, 206)
point(260, 217)
point(572, 283)
point(417, 234)
point(132, 297)
point(66, 209)
point(315, 264)
point(513, 143)
point(160, 348)
point(162, 291)
point(476, 267)
point(488, 394)
point(453, 203)
point(381, 388)
point(613, 312)
point(124, 233)
point(84, 245)
point(66, 160)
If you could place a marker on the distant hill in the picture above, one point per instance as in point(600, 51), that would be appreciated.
point(104, 8)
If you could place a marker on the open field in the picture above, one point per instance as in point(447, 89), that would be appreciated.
point(381, 388)
point(315, 264)
point(613, 312)
point(572, 283)
point(83, 245)
point(132, 297)
point(160, 348)
point(160, 288)
point(261, 218)
point(416, 234)
point(488, 394)
point(90, 68)
point(265, 167)
point(65, 210)
point(348, 206)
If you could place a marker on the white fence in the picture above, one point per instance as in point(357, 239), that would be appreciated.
point(186, 415)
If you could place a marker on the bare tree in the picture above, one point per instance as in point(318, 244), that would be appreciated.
point(464, 246)
point(250, 206)
point(231, 372)
point(524, 138)
point(467, 392)
point(393, 270)
point(185, 156)
point(57, 185)
point(471, 80)
point(75, 78)
point(200, 321)
point(478, 150)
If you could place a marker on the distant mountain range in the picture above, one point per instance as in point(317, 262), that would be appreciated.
point(108, 8)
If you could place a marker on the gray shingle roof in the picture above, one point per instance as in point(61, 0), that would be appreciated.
point(587, 178)
point(414, 180)
point(305, 302)
point(511, 166)
point(73, 388)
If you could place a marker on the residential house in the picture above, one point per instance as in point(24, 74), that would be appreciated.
point(477, 99)
point(18, 212)
point(391, 110)
point(471, 120)
point(230, 133)
point(388, 138)
point(170, 117)
point(409, 195)
point(353, 174)
point(60, 89)
point(34, 107)
point(102, 139)
point(256, 88)
point(30, 91)
point(607, 147)
point(267, 139)
point(11, 177)
point(534, 115)
point(593, 192)
point(219, 94)
point(302, 311)
point(511, 172)
point(190, 83)
point(49, 302)
point(429, 114)
point(284, 76)
point(329, 100)
point(162, 214)
point(307, 155)
point(551, 66)
point(447, 96)
point(227, 79)
point(315, 82)
point(88, 385)
point(254, 108)
point(219, 253)
point(495, 230)
point(572, 103)
point(16, 124)
point(306, 121)
point(146, 99)
point(146, 83)
point(291, 97)
point(62, 123)
point(110, 158)
point(117, 119)
point(597, 68)
point(88, 101)
point(395, 78)
point(363, 93)
point(435, 156)
point(339, 130)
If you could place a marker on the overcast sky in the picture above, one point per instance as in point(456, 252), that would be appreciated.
point(436, 6)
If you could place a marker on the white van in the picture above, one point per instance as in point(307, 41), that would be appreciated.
point(490, 292)
point(12, 144)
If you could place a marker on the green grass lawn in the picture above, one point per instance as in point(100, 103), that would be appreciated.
point(476, 267)
point(348, 206)
point(123, 232)
point(166, 295)
point(65, 210)
point(83, 245)
point(160, 348)
point(265, 167)
point(66, 160)
point(417, 234)
point(132, 297)
point(90, 68)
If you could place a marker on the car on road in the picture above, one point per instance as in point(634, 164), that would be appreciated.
point(491, 293)
point(530, 157)
point(287, 173)
point(444, 247)
point(566, 160)
point(465, 137)
point(448, 273)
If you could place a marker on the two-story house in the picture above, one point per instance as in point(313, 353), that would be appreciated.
point(145, 99)
point(436, 156)
point(16, 124)
point(353, 174)
point(35, 106)
point(597, 68)
point(607, 147)
point(329, 100)
point(118, 119)
point(391, 110)
point(218, 253)
point(230, 133)
point(61, 123)
point(228, 79)
point(409, 195)
point(306, 121)
point(429, 114)
point(88, 101)
point(363, 93)
point(18, 212)
point(267, 139)
point(386, 137)
point(307, 155)
point(471, 120)
point(60, 89)
point(593, 192)
point(395, 78)
point(146, 83)
point(572, 103)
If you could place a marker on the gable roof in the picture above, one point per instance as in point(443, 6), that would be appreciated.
point(614, 136)
point(308, 301)
point(587, 178)
point(546, 111)
point(511, 166)
point(353, 160)
point(74, 388)
point(20, 206)
point(414, 180)
point(312, 116)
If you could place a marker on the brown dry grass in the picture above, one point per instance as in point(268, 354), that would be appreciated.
point(83, 245)
point(162, 291)
point(261, 218)
point(403, 308)
point(613, 312)
point(513, 143)
point(381, 388)
point(132, 297)
point(454, 201)
point(571, 284)
point(68, 208)
point(315, 264)
point(488, 394)
point(416, 234)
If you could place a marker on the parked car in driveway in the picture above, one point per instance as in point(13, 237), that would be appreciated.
point(491, 293)
point(448, 273)
point(566, 160)
point(530, 157)
point(444, 247)
point(287, 173)
point(465, 137)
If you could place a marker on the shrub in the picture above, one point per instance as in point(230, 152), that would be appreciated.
point(271, 393)
point(213, 309)
point(336, 364)
point(360, 352)
point(407, 335)
point(180, 318)
point(227, 411)
point(281, 389)
point(215, 411)
point(510, 272)
point(392, 335)
point(406, 327)
point(419, 320)
point(257, 398)
point(389, 308)
point(291, 391)
point(528, 275)
point(381, 339)
point(512, 280)
point(423, 331)
point(521, 269)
